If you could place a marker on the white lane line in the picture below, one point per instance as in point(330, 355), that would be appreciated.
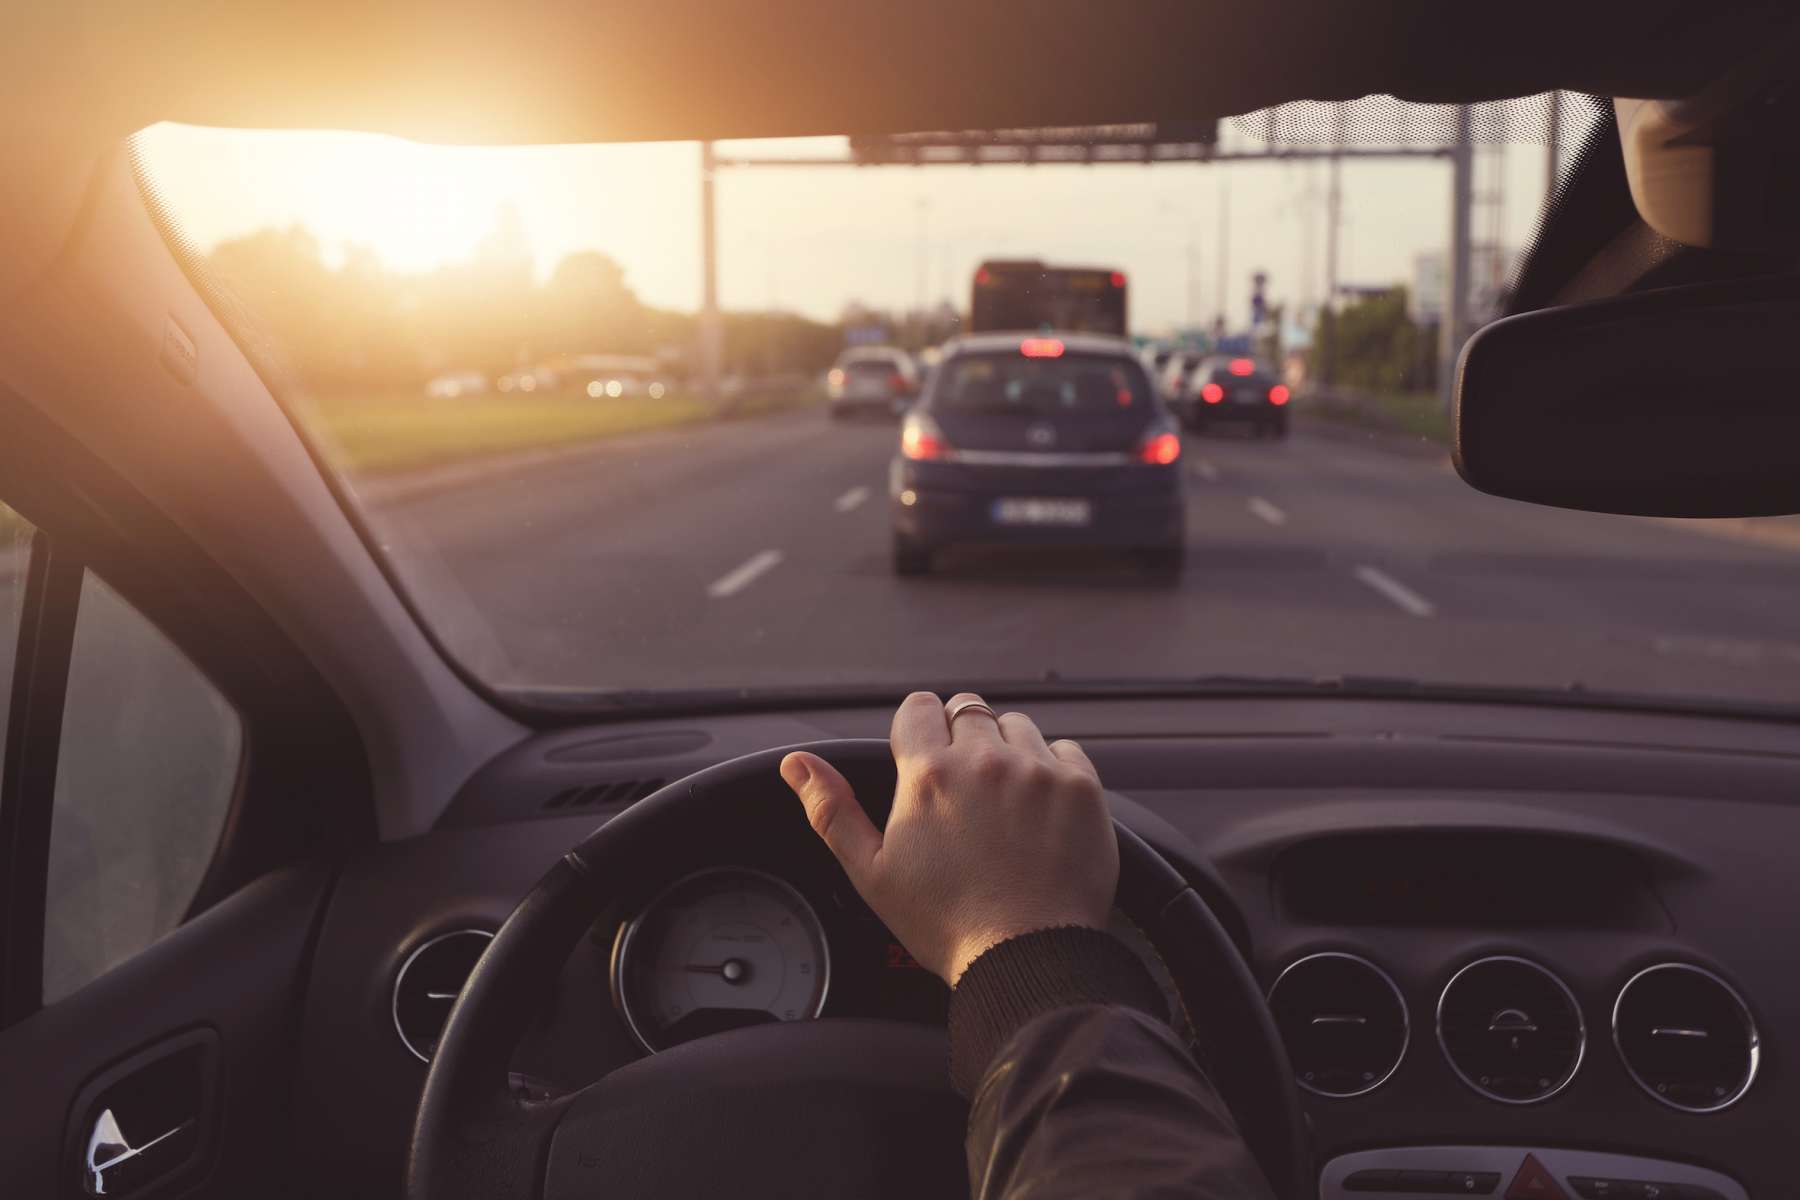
point(1402, 596)
point(732, 583)
point(1267, 511)
point(1205, 470)
point(851, 499)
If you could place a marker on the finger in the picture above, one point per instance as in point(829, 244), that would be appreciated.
point(972, 724)
point(918, 726)
point(1072, 753)
point(832, 808)
point(1021, 732)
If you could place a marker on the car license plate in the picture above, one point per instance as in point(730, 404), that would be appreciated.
point(1043, 512)
point(1245, 396)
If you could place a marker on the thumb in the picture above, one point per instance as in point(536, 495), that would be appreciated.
point(832, 808)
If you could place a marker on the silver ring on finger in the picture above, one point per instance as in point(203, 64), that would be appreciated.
point(962, 706)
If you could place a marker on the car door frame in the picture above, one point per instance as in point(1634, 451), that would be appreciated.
point(237, 965)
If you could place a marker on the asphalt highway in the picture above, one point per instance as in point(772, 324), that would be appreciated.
point(756, 553)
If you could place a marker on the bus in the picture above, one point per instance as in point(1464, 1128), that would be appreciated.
point(1025, 294)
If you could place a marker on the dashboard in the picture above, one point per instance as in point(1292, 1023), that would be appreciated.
point(1494, 938)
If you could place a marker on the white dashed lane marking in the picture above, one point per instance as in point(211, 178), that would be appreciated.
point(1206, 470)
point(1268, 512)
point(735, 581)
point(1402, 596)
point(851, 499)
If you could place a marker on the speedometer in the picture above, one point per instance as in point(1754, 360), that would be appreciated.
point(717, 950)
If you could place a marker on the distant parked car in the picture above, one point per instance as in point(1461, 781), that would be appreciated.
point(528, 379)
point(880, 379)
point(452, 384)
point(616, 376)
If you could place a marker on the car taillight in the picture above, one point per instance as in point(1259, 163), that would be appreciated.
point(1278, 394)
point(921, 440)
point(1161, 449)
point(1212, 393)
point(897, 382)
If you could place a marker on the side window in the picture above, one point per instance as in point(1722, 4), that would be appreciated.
point(145, 774)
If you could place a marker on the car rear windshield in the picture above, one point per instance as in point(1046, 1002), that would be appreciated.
point(1072, 383)
point(871, 368)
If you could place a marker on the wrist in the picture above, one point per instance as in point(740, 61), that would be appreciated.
point(972, 946)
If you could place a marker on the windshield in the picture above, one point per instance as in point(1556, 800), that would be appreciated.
point(1074, 384)
point(593, 487)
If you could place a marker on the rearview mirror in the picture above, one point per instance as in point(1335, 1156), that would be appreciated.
point(1683, 402)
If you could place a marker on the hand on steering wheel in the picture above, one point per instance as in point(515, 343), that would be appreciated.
point(993, 833)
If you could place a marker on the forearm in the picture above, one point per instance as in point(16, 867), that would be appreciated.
point(1078, 1086)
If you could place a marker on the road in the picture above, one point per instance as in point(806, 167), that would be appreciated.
point(756, 553)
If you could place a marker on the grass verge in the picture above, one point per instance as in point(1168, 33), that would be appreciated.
point(387, 432)
point(1417, 414)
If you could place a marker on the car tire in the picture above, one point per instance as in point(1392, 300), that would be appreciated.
point(910, 558)
point(1278, 428)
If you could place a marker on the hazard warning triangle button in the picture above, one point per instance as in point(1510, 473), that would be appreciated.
point(1534, 1182)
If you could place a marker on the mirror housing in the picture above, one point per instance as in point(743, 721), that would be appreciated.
point(1682, 402)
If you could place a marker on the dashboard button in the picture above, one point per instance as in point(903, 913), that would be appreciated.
point(1590, 1188)
point(1472, 1183)
point(1434, 1183)
point(1693, 1191)
point(1379, 1179)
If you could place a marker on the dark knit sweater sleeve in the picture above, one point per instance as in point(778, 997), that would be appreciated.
point(1036, 973)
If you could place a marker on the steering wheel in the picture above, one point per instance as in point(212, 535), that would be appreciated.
point(836, 1107)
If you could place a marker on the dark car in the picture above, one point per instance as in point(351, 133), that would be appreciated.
point(1234, 392)
point(1039, 439)
point(872, 379)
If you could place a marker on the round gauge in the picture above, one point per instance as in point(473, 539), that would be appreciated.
point(719, 949)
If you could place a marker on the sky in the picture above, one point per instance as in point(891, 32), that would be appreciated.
point(811, 240)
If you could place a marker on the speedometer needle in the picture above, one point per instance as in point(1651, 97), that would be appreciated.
point(731, 970)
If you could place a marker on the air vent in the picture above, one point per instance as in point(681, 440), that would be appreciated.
point(1511, 1029)
point(614, 794)
point(428, 983)
point(1686, 1037)
point(1343, 1021)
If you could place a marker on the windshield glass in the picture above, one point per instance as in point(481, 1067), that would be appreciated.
point(1070, 383)
point(593, 487)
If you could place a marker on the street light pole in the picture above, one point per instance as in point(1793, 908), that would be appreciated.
point(1223, 298)
point(712, 341)
point(1453, 325)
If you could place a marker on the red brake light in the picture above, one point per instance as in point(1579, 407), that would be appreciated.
point(921, 441)
point(1212, 393)
point(1278, 394)
point(1041, 348)
point(1118, 279)
point(983, 277)
point(1162, 449)
point(1242, 366)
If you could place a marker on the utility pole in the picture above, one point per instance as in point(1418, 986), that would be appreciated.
point(1454, 324)
point(712, 340)
point(1223, 297)
point(1334, 206)
point(924, 206)
point(1193, 279)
